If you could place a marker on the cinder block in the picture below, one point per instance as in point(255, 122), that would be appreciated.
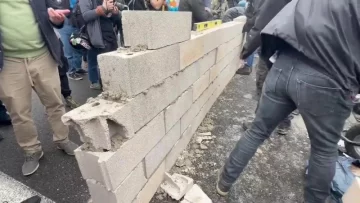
point(240, 19)
point(206, 62)
point(226, 48)
point(191, 50)
point(174, 112)
point(116, 166)
point(155, 29)
point(97, 122)
point(230, 31)
point(211, 38)
point(159, 152)
point(133, 74)
point(200, 85)
point(125, 193)
point(92, 167)
point(215, 70)
point(178, 148)
point(146, 194)
point(187, 118)
point(157, 98)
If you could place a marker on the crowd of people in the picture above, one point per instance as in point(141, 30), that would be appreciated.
point(307, 61)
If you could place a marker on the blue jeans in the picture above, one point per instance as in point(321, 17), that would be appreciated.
point(73, 56)
point(93, 68)
point(250, 60)
point(294, 82)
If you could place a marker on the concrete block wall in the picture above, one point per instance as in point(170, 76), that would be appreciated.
point(152, 104)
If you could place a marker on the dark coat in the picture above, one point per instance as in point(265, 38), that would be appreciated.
point(267, 11)
point(39, 8)
point(324, 31)
point(197, 7)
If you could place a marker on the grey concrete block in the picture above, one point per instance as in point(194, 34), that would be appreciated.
point(206, 62)
point(146, 194)
point(188, 117)
point(155, 29)
point(178, 148)
point(200, 85)
point(146, 105)
point(133, 74)
point(174, 111)
point(100, 121)
point(159, 152)
point(116, 166)
point(125, 193)
point(191, 50)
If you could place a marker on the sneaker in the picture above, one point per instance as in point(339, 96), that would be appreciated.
point(246, 70)
point(71, 103)
point(221, 189)
point(31, 163)
point(283, 128)
point(75, 76)
point(68, 147)
point(95, 86)
point(34, 199)
point(81, 72)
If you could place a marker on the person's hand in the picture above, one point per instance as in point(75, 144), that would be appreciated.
point(57, 16)
point(115, 11)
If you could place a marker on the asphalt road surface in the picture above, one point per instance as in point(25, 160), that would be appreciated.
point(58, 178)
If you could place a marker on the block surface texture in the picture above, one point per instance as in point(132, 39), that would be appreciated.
point(155, 29)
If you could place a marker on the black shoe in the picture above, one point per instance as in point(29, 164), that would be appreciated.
point(246, 70)
point(284, 128)
point(34, 199)
point(81, 72)
point(5, 122)
point(75, 76)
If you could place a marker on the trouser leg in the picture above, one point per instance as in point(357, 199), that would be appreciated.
point(15, 93)
point(45, 75)
point(274, 106)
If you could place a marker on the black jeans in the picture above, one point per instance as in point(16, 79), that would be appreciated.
point(64, 82)
point(293, 82)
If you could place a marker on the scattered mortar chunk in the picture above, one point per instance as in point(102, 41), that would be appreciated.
point(205, 134)
point(196, 195)
point(203, 147)
point(176, 185)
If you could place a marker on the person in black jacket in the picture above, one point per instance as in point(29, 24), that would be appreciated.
point(197, 8)
point(314, 70)
point(260, 14)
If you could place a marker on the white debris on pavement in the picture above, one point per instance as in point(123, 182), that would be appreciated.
point(196, 195)
point(176, 185)
point(12, 191)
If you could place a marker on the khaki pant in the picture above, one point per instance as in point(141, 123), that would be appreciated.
point(17, 80)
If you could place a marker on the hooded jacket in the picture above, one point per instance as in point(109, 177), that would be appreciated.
point(46, 28)
point(324, 31)
point(265, 11)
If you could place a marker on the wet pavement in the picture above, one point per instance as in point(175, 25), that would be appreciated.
point(58, 177)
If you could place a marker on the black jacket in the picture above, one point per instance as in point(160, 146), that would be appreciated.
point(39, 8)
point(324, 31)
point(267, 10)
point(136, 4)
point(197, 8)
